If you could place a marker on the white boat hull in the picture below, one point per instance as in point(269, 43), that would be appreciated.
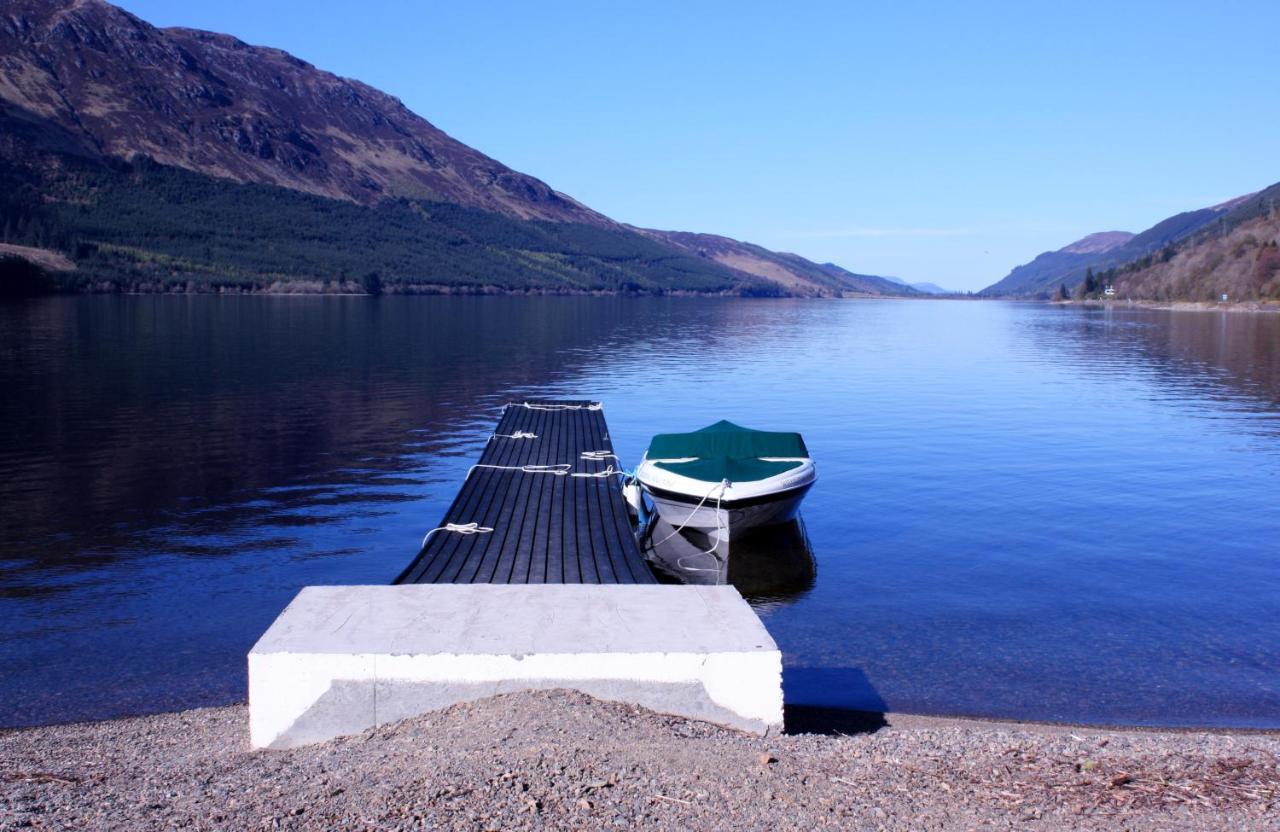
point(726, 524)
point(723, 513)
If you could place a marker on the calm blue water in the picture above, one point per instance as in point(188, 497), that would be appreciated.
point(1022, 511)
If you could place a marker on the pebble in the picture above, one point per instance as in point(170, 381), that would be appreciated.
point(558, 759)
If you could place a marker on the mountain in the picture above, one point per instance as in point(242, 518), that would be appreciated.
point(924, 288)
point(1107, 249)
point(868, 283)
point(793, 273)
point(1098, 243)
point(210, 103)
point(1066, 266)
point(1238, 255)
point(174, 159)
point(931, 289)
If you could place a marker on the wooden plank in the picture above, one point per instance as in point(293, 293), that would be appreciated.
point(503, 501)
point(547, 528)
point(596, 531)
point(581, 517)
point(613, 516)
point(534, 567)
point(532, 538)
point(449, 551)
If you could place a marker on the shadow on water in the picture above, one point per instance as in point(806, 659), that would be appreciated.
point(772, 567)
point(819, 701)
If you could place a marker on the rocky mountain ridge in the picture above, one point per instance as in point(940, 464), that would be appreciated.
point(213, 104)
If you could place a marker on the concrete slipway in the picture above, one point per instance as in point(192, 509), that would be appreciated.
point(556, 595)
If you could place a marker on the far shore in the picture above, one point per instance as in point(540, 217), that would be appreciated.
point(558, 759)
point(1177, 305)
point(309, 288)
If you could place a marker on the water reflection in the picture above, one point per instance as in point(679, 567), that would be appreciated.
point(772, 566)
point(206, 419)
point(1228, 356)
point(1022, 510)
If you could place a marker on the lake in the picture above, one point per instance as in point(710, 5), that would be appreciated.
point(1022, 510)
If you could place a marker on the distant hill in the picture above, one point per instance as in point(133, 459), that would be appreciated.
point(793, 273)
point(174, 159)
point(924, 288)
point(931, 289)
point(1068, 265)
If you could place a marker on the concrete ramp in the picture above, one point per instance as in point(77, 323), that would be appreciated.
point(341, 659)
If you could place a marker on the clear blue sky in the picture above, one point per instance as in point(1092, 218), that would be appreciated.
point(944, 142)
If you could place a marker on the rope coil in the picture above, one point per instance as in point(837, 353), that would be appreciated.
point(457, 528)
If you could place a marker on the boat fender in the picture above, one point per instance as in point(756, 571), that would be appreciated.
point(635, 503)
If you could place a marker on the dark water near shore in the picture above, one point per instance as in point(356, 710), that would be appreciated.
point(1022, 511)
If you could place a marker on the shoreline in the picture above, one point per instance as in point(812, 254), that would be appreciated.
point(808, 719)
point(313, 289)
point(558, 759)
point(1175, 305)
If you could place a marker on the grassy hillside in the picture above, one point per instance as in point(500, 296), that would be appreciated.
point(1239, 256)
point(1068, 267)
point(142, 226)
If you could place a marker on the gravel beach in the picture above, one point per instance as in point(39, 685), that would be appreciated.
point(561, 760)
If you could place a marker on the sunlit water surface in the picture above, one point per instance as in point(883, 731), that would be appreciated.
point(1022, 511)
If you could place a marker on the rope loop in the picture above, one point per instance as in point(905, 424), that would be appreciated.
point(520, 434)
point(457, 528)
point(608, 471)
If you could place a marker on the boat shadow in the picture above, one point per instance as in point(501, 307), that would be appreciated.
point(772, 566)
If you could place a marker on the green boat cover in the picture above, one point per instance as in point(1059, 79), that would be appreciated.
point(724, 468)
point(725, 451)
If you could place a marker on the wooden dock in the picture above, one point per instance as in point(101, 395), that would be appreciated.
point(545, 504)
point(520, 587)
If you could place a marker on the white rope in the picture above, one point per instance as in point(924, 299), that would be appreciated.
point(724, 484)
point(714, 542)
point(598, 456)
point(680, 562)
point(608, 471)
point(536, 406)
point(458, 528)
point(520, 434)
point(555, 470)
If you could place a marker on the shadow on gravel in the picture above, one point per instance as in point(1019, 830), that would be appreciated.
point(816, 719)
